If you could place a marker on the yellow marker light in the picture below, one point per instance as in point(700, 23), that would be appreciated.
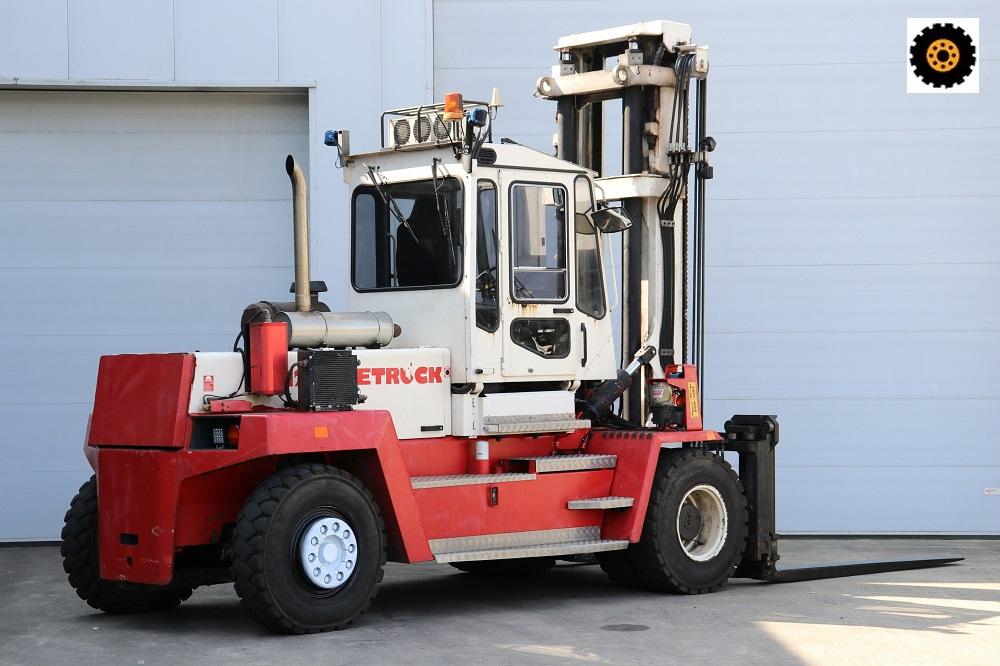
point(453, 106)
point(321, 432)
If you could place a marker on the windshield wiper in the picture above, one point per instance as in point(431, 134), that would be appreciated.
point(389, 202)
point(438, 185)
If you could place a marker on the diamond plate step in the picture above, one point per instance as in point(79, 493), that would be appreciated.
point(505, 425)
point(601, 503)
point(542, 550)
point(539, 543)
point(569, 462)
point(445, 480)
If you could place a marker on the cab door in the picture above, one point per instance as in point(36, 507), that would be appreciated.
point(542, 328)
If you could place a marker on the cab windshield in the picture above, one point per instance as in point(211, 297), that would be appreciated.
point(407, 235)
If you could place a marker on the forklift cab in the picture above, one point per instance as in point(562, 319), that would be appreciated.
point(503, 260)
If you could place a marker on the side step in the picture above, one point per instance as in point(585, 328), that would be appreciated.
point(540, 543)
point(509, 425)
point(445, 480)
point(569, 462)
point(601, 503)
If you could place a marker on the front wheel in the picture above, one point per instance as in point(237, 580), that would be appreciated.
point(308, 550)
point(695, 529)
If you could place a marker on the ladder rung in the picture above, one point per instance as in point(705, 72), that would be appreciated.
point(503, 540)
point(602, 503)
point(568, 462)
point(445, 480)
point(541, 550)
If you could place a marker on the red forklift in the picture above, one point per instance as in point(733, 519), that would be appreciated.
point(468, 406)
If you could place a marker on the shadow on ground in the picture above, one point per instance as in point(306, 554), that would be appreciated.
point(435, 614)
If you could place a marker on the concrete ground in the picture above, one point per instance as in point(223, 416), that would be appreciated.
point(432, 614)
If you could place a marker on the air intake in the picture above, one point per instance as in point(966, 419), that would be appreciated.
point(427, 127)
point(401, 132)
point(486, 156)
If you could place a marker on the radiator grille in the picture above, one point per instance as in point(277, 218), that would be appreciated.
point(328, 380)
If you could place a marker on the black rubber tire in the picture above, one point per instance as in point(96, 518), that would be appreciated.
point(268, 578)
point(525, 567)
point(657, 561)
point(617, 564)
point(80, 561)
point(966, 55)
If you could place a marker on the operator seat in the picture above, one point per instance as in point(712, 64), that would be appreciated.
point(423, 263)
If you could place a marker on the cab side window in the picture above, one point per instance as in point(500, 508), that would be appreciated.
point(589, 278)
point(538, 243)
point(487, 287)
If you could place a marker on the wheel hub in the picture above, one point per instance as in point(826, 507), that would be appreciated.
point(942, 55)
point(702, 523)
point(690, 522)
point(328, 551)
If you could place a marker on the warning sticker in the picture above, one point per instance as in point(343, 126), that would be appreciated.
point(692, 400)
point(208, 382)
point(991, 491)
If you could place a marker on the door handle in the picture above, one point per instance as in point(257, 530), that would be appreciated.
point(583, 361)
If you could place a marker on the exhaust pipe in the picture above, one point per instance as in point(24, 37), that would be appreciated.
point(300, 216)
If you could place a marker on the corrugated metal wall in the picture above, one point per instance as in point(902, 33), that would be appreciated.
point(132, 222)
point(145, 221)
point(853, 247)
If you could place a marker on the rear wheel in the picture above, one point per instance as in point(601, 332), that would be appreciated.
point(308, 550)
point(695, 528)
point(526, 567)
point(81, 562)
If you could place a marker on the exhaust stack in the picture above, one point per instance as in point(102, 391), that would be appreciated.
point(300, 216)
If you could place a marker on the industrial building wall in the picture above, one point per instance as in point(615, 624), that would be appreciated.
point(853, 241)
point(853, 278)
point(143, 199)
point(101, 195)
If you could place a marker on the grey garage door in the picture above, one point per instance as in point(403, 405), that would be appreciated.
point(130, 221)
point(853, 280)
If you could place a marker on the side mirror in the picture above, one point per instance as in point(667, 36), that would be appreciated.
point(611, 220)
